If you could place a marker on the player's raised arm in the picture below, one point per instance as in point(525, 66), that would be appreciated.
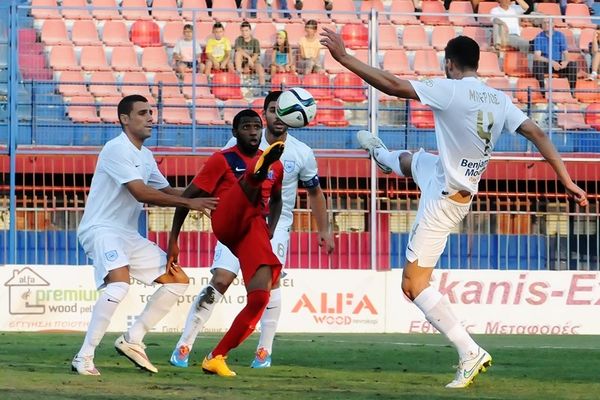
point(533, 133)
point(379, 79)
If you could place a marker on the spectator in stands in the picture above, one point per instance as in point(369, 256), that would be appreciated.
point(594, 51)
point(184, 51)
point(209, 4)
point(507, 28)
point(282, 4)
point(560, 63)
point(218, 51)
point(247, 53)
point(589, 3)
point(328, 4)
point(310, 49)
point(282, 60)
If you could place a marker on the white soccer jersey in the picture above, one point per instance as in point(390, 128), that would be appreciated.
point(469, 118)
point(109, 203)
point(299, 166)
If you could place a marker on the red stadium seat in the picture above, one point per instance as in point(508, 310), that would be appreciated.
point(318, 85)
point(578, 16)
point(426, 63)
point(587, 91)
point(569, 117)
point(135, 83)
point(403, 7)
point(124, 58)
point(488, 64)
point(79, 11)
point(313, 9)
point(295, 31)
point(331, 65)
point(478, 34)
point(33, 66)
point(62, 58)
point(365, 11)
point(103, 84)
point(108, 109)
point(396, 62)
point(115, 34)
point(165, 10)
point(44, 13)
point(265, 33)
point(54, 32)
point(530, 32)
point(135, 10)
point(155, 59)
point(190, 9)
point(561, 92)
point(176, 111)
point(461, 7)
point(420, 115)
point(226, 11)
point(355, 35)
point(592, 116)
point(202, 90)
point(515, 64)
point(170, 84)
point(349, 87)
point(83, 109)
point(93, 59)
point(440, 36)
point(331, 113)
point(172, 32)
point(105, 9)
point(585, 38)
point(226, 86)
point(550, 9)
point(285, 81)
point(206, 112)
point(502, 84)
point(84, 33)
point(344, 12)
point(71, 83)
point(231, 108)
point(528, 89)
point(145, 34)
point(434, 7)
point(484, 8)
point(388, 37)
point(414, 37)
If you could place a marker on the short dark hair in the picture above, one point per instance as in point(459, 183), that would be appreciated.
point(247, 112)
point(126, 105)
point(272, 96)
point(311, 23)
point(464, 52)
point(188, 26)
point(245, 24)
point(217, 25)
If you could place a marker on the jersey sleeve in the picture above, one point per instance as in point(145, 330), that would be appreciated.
point(309, 175)
point(119, 167)
point(436, 93)
point(157, 180)
point(514, 117)
point(211, 173)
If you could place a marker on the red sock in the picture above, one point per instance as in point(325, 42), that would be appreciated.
point(245, 322)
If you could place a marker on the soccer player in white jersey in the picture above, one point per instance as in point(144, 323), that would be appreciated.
point(469, 118)
point(300, 167)
point(127, 176)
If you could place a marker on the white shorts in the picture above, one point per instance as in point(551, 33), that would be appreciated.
point(437, 215)
point(225, 259)
point(111, 249)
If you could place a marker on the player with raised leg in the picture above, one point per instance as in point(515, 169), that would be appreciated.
point(469, 118)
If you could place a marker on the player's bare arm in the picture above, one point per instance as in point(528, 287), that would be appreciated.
point(275, 206)
point(173, 191)
point(533, 133)
point(381, 80)
point(146, 194)
point(318, 206)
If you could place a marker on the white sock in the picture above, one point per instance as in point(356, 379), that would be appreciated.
point(197, 317)
point(269, 320)
point(159, 304)
point(103, 311)
point(390, 159)
point(437, 311)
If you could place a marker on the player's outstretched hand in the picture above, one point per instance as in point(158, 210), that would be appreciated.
point(172, 255)
point(203, 204)
point(334, 43)
point(578, 194)
point(326, 240)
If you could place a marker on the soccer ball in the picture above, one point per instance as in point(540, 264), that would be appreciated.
point(296, 107)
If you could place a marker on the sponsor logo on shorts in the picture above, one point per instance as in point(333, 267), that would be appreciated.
point(111, 255)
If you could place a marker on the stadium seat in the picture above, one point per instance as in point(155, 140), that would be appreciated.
point(80, 9)
point(295, 31)
point(124, 58)
point(83, 109)
point(226, 86)
point(585, 38)
point(515, 64)
point(331, 65)
point(44, 13)
point(484, 8)
point(226, 11)
point(54, 32)
point(349, 87)
point(26, 35)
point(313, 9)
point(135, 83)
point(265, 33)
point(103, 84)
point(71, 83)
point(62, 58)
point(530, 32)
point(155, 59)
point(105, 10)
point(461, 7)
point(344, 12)
point(365, 11)
point(172, 32)
point(135, 10)
point(570, 37)
point(420, 115)
point(202, 90)
point(550, 9)
point(528, 89)
point(569, 117)
point(488, 64)
point(403, 7)
point(587, 91)
point(115, 34)
point(231, 108)
point(190, 8)
point(203, 31)
point(355, 35)
point(396, 62)
point(503, 84)
point(84, 33)
point(93, 59)
point(145, 34)
point(331, 113)
point(206, 112)
point(592, 115)
point(414, 37)
point(388, 37)
point(478, 34)
point(165, 10)
point(170, 86)
point(33, 66)
point(232, 31)
point(440, 36)
point(578, 16)
point(257, 105)
point(108, 109)
point(176, 111)
point(318, 85)
point(426, 63)
point(285, 81)
point(561, 92)
point(262, 14)
point(434, 7)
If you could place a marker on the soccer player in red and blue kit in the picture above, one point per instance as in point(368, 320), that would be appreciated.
point(247, 182)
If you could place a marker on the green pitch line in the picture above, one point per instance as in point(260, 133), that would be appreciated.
point(306, 366)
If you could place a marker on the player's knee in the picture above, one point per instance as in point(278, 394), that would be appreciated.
point(221, 281)
point(408, 289)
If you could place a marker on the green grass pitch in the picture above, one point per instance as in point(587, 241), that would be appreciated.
point(306, 366)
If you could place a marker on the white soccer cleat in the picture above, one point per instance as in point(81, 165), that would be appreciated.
point(135, 352)
point(84, 365)
point(370, 143)
point(467, 370)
